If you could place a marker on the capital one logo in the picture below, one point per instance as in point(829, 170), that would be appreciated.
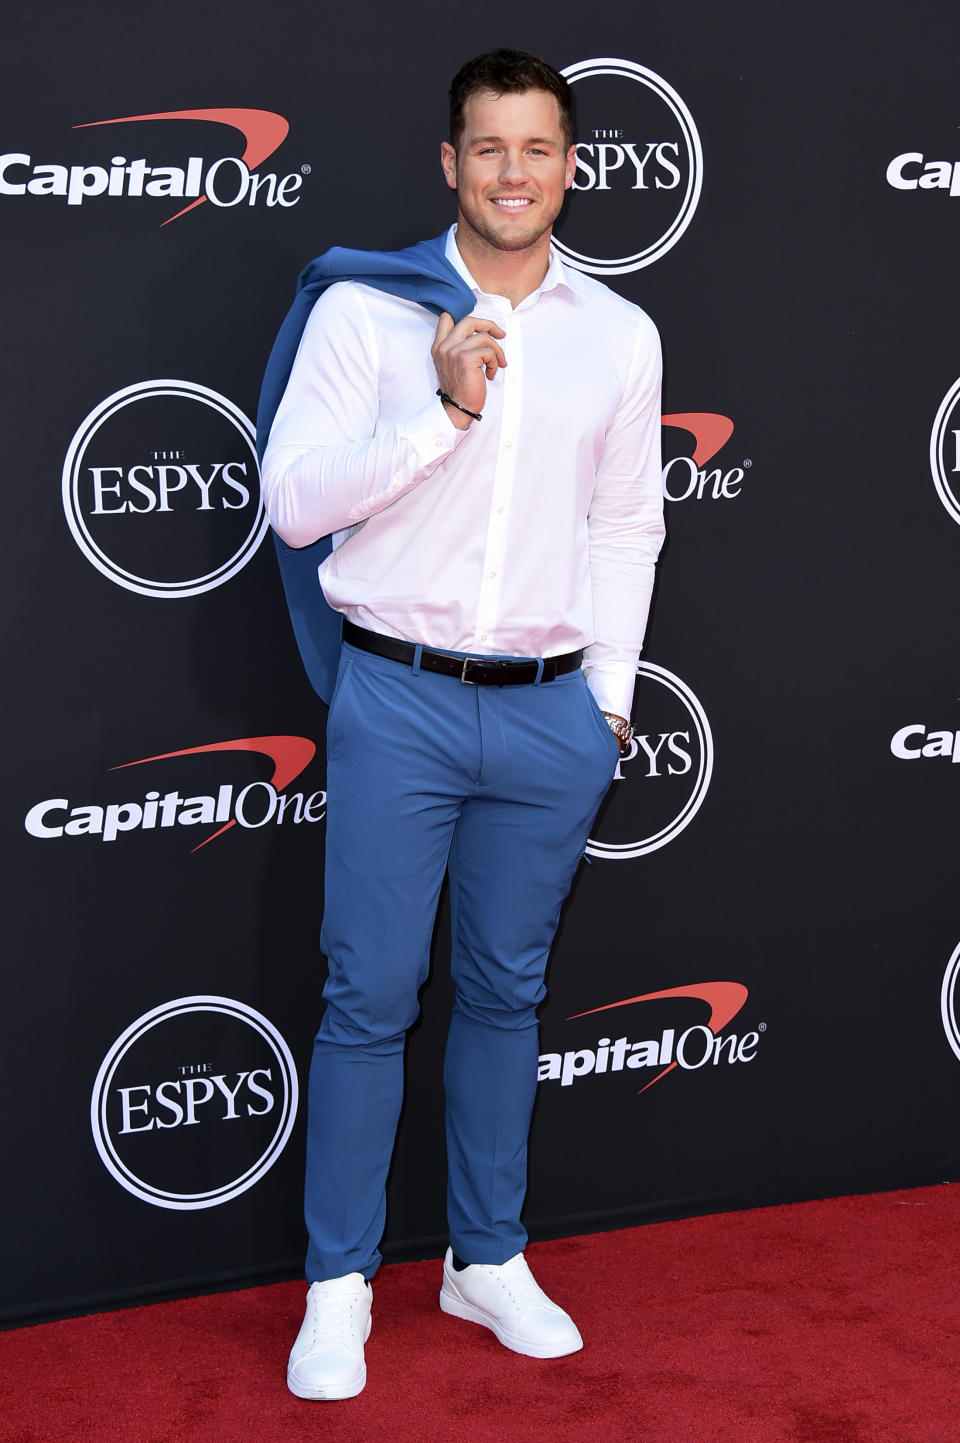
point(639, 168)
point(685, 1043)
point(258, 803)
point(945, 451)
point(912, 170)
point(920, 742)
point(194, 1102)
point(225, 182)
point(161, 489)
point(660, 786)
point(687, 477)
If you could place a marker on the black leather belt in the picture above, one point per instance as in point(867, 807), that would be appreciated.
point(474, 670)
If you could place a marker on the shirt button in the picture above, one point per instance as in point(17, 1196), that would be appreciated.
point(394, 485)
point(499, 510)
point(507, 445)
point(483, 636)
point(491, 574)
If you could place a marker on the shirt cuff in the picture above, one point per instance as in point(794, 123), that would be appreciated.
point(431, 433)
point(612, 692)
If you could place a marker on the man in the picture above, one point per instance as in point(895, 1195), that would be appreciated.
point(493, 489)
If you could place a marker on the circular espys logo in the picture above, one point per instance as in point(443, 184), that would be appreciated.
point(161, 489)
point(640, 163)
point(950, 1002)
point(945, 451)
point(660, 786)
point(194, 1102)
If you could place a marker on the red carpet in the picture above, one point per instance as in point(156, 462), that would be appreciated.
point(822, 1322)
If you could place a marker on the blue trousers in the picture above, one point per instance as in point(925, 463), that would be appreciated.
point(499, 786)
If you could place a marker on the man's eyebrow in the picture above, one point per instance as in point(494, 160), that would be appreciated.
point(531, 140)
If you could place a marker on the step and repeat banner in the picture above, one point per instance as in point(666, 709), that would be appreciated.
point(754, 995)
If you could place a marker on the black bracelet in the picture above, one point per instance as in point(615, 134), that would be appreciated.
point(451, 402)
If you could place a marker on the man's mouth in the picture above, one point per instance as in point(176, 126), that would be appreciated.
point(512, 202)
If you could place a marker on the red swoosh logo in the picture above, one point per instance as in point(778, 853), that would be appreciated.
point(724, 999)
point(290, 756)
point(263, 132)
point(708, 429)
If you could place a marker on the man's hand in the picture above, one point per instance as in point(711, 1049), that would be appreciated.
point(466, 356)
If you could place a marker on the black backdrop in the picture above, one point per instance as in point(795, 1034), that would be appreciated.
point(779, 857)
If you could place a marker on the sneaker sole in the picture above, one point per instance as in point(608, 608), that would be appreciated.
point(330, 1393)
point(459, 1308)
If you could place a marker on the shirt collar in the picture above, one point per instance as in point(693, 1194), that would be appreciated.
point(558, 275)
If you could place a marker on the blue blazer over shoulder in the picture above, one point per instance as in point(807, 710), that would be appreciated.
point(418, 273)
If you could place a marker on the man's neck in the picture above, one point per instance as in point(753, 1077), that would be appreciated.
point(514, 274)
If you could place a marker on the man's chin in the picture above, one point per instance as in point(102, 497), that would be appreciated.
point(515, 242)
point(513, 235)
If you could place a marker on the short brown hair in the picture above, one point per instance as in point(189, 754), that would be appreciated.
point(507, 72)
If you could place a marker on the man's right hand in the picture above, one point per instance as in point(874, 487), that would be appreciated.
point(466, 356)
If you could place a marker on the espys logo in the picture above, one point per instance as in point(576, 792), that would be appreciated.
point(950, 1002)
point(638, 160)
point(685, 477)
point(161, 489)
point(194, 1102)
point(688, 1047)
point(916, 741)
point(672, 762)
point(257, 804)
point(225, 182)
point(945, 451)
point(913, 171)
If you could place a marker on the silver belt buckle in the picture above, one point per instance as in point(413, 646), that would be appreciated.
point(463, 672)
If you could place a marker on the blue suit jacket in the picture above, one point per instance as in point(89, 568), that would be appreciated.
point(419, 273)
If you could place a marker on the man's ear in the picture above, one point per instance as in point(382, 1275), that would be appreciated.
point(571, 167)
point(448, 159)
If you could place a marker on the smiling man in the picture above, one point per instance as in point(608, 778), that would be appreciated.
point(492, 487)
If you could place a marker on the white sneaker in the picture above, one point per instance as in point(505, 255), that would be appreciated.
point(508, 1301)
point(326, 1361)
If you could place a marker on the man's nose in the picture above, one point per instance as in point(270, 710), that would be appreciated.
point(512, 169)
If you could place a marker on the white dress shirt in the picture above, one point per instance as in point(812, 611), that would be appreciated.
point(532, 533)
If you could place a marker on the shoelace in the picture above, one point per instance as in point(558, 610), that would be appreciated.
point(336, 1320)
point(519, 1283)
